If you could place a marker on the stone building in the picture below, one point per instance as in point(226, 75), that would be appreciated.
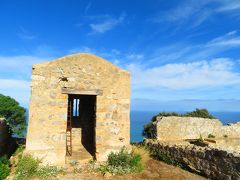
point(79, 109)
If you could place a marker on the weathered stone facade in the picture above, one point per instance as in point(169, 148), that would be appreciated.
point(210, 162)
point(178, 128)
point(46, 137)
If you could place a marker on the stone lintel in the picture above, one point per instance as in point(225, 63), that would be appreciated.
point(82, 91)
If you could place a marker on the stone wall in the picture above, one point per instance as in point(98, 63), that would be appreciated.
point(48, 105)
point(4, 137)
point(177, 128)
point(7, 144)
point(212, 163)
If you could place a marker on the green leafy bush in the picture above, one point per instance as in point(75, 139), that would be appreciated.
point(149, 129)
point(211, 136)
point(14, 115)
point(19, 150)
point(122, 162)
point(202, 113)
point(4, 160)
point(4, 167)
point(29, 167)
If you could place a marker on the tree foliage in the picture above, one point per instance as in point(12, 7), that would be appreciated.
point(14, 115)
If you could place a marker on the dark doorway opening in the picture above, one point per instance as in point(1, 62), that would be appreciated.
point(81, 123)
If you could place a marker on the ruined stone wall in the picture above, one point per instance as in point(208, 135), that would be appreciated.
point(4, 137)
point(212, 163)
point(177, 128)
point(48, 106)
point(7, 143)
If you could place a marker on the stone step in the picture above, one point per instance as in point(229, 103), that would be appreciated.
point(82, 156)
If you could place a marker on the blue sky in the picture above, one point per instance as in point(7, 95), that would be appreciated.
point(181, 54)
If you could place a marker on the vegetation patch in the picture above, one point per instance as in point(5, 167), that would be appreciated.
point(211, 136)
point(149, 129)
point(4, 167)
point(122, 162)
point(14, 115)
point(29, 167)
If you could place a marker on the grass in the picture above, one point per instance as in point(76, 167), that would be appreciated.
point(122, 162)
point(4, 167)
point(29, 167)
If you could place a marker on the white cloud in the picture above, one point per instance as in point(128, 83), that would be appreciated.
point(107, 24)
point(19, 65)
point(14, 84)
point(25, 34)
point(15, 71)
point(194, 13)
point(89, 5)
point(135, 56)
point(227, 5)
point(217, 72)
point(228, 39)
point(18, 89)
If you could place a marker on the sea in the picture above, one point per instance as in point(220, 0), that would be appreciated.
point(140, 118)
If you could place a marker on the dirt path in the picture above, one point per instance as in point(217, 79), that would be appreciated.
point(153, 170)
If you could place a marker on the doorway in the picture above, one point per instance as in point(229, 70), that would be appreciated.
point(81, 124)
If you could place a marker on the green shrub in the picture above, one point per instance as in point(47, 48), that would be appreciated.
point(29, 167)
point(20, 149)
point(211, 136)
point(225, 135)
point(4, 167)
point(4, 171)
point(14, 114)
point(202, 113)
point(4, 160)
point(122, 162)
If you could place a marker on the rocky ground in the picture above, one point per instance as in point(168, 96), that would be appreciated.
point(153, 170)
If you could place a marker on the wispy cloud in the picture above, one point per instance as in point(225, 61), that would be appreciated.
point(227, 5)
point(19, 66)
point(229, 39)
point(25, 34)
point(106, 23)
point(89, 5)
point(186, 75)
point(188, 52)
point(134, 56)
point(194, 13)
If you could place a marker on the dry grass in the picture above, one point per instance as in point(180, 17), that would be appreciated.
point(142, 151)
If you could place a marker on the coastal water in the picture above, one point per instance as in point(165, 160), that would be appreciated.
point(139, 118)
